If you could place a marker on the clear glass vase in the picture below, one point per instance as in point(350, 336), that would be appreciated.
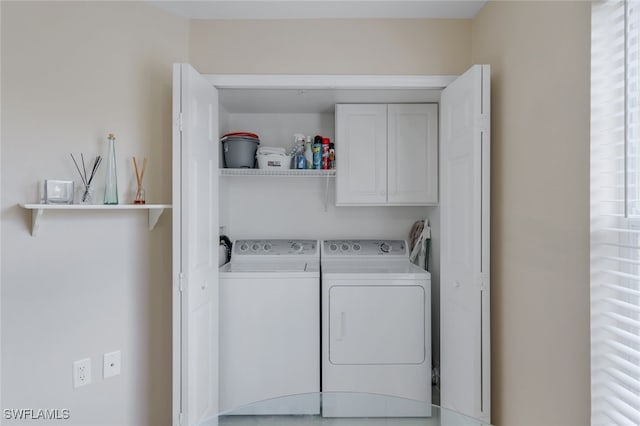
point(111, 178)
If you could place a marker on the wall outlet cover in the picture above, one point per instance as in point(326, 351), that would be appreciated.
point(81, 372)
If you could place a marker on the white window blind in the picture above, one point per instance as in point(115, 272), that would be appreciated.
point(615, 213)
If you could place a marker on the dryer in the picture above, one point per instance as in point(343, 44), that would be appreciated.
point(269, 326)
point(376, 327)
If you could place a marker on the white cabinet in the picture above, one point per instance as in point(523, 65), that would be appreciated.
point(387, 154)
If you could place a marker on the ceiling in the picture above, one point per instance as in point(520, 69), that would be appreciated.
point(321, 9)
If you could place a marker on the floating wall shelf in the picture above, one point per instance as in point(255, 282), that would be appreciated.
point(37, 211)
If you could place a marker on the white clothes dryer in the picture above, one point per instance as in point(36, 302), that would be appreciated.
point(376, 327)
point(269, 325)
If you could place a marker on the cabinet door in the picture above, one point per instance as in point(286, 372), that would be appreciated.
point(195, 255)
point(361, 154)
point(413, 154)
point(464, 275)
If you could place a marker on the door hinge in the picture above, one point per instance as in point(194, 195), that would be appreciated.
point(180, 418)
point(483, 283)
point(181, 281)
point(483, 123)
point(180, 122)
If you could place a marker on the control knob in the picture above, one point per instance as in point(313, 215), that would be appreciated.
point(385, 248)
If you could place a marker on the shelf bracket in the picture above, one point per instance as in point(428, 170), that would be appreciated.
point(326, 194)
point(36, 217)
point(154, 215)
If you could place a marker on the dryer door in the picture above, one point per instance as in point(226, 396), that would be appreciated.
point(381, 324)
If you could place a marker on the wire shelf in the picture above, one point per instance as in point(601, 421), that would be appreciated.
point(267, 172)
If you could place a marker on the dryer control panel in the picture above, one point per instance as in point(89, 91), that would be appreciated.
point(340, 248)
point(275, 247)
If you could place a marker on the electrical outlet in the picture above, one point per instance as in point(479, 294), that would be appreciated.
point(111, 364)
point(81, 372)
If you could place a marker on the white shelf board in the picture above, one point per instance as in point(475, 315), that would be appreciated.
point(266, 172)
point(325, 81)
point(37, 211)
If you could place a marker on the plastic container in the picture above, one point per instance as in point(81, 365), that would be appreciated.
point(317, 156)
point(317, 152)
point(273, 158)
point(325, 154)
point(332, 156)
point(308, 152)
point(300, 161)
point(240, 149)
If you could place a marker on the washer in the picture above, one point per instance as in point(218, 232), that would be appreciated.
point(269, 325)
point(376, 327)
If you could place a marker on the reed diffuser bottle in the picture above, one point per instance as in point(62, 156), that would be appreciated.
point(111, 178)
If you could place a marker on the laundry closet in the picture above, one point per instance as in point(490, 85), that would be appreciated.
point(376, 191)
point(302, 203)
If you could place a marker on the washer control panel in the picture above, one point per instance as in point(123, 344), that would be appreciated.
point(275, 247)
point(365, 248)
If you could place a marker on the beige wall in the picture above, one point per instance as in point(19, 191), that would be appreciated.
point(71, 72)
point(90, 283)
point(418, 46)
point(539, 53)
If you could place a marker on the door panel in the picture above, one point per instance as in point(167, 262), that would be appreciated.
point(361, 152)
point(413, 153)
point(464, 283)
point(376, 324)
point(269, 342)
point(195, 228)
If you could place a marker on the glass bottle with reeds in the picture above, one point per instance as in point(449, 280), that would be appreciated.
point(140, 193)
point(85, 193)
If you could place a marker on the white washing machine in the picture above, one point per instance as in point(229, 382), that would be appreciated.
point(376, 327)
point(269, 325)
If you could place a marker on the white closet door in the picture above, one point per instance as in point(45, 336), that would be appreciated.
point(361, 154)
point(195, 235)
point(413, 154)
point(464, 280)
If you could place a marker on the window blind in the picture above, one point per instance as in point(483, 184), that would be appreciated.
point(615, 213)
